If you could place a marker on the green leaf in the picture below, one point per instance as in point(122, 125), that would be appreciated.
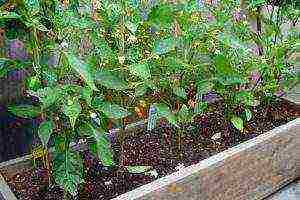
point(200, 107)
point(25, 111)
point(33, 83)
point(163, 111)
point(248, 114)
point(203, 87)
point(180, 92)
point(138, 169)
point(112, 110)
point(140, 90)
point(223, 66)
point(234, 43)
point(165, 46)
point(72, 109)
point(232, 79)
point(256, 3)
point(45, 131)
point(48, 96)
point(111, 80)
point(131, 26)
point(102, 147)
point(237, 123)
point(184, 114)
point(140, 70)
point(245, 97)
point(33, 6)
point(86, 94)
point(83, 69)
point(68, 171)
point(9, 15)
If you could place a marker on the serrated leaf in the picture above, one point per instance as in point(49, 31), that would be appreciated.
point(138, 169)
point(25, 111)
point(45, 130)
point(112, 110)
point(111, 80)
point(68, 171)
point(180, 92)
point(83, 69)
point(102, 147)
point(140, 70)
point(164, 46)
point(72, 109)
point(237, 123)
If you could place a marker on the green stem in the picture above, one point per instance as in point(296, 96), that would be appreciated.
point(36, 53)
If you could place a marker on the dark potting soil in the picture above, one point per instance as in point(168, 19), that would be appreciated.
point(209, 134)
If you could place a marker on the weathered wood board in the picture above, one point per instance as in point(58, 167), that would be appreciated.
point(249, 171)
point(5, 192)
point(290, 192)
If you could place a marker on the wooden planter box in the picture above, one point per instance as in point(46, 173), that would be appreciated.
point(251, 170)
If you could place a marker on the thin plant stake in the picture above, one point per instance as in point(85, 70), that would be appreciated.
point(152, 118)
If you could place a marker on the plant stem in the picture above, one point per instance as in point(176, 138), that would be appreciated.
point(180, 144)
point(259, 28)
point(36, 53)
point(121, 138)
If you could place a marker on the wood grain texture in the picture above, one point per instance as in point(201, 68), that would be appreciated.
point(290, 192)
point(249, 171)
point(5, 192)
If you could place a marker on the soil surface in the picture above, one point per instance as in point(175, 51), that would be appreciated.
point(207, 135)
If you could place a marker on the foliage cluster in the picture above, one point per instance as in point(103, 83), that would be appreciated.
point(94, 63)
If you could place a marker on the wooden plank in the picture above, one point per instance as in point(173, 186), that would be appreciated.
point(5, 192)
point(251, 170)
point(290, 192)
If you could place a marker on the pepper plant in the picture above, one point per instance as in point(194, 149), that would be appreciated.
point(96, 63)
